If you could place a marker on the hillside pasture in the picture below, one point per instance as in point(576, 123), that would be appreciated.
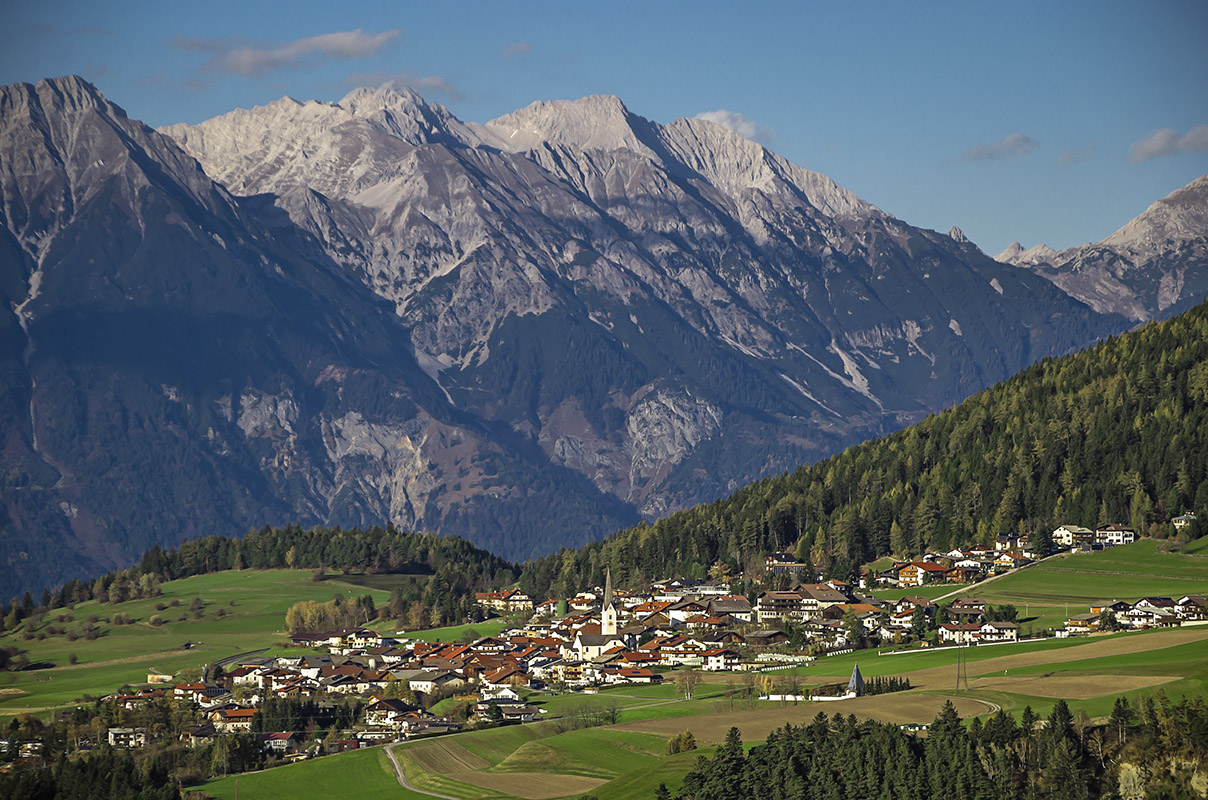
point(1047, 593)
point(244, 610)
point(364, 774)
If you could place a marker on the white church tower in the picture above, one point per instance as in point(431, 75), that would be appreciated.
point(608, 612)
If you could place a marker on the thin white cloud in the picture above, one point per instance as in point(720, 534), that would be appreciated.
point(1014, 145)
point(240, 58)
point(1168, 142)
point(517, 49)
point(422, 84)
point(747, 128)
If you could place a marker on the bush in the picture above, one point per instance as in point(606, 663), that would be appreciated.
point(160, 606)
point(175, 602)
point(156, 620)
point(72, 659)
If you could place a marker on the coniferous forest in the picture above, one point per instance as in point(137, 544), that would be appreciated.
point(1142, 752)
point(1116, 433)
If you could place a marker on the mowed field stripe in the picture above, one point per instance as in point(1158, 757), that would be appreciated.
point(941, 677)
point(898, 708)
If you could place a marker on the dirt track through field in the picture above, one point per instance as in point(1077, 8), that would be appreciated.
point(942, 677)
point(898, 708)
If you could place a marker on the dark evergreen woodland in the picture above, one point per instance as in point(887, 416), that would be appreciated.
point(1052, 759)
point(1116, 433)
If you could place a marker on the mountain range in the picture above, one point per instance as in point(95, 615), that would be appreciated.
point(528, 332)
point(1154, 267)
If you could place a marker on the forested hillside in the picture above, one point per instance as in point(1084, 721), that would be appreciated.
point(1116, 433)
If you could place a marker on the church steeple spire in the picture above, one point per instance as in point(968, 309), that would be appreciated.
point(608, 609)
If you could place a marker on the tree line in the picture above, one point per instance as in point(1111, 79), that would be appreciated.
point(1057, 758)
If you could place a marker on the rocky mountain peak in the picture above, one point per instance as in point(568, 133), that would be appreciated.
point(1017, 255)
point(957, 235)
point(596, 122)
point(368, 100)
point(67, 94)
point(1180, 215)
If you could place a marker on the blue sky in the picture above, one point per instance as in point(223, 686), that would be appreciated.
point(1053, 122)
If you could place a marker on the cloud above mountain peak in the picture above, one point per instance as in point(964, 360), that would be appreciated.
point(239, 57)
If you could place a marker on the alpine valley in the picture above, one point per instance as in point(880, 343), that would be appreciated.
point(529, 332)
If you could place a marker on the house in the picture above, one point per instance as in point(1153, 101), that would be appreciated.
point(128, 737)
point(719, 659)
point(784, 563)
point(1193, 606)
point(958, 574)
point(736, 606)
point(917, 573)
point(195, 735)
point(959, 633)
point(773, 606)
point(506, 676)
point(430, 681)
point(1006, 541)
point(999, 632)
point(1005, 561)
point(1116, 607)
point(387, 712)
point(1078, 625)
point(1073, 536)
point(509, 601)
point(281, 743)
point(1183, 521)
point(766, 638)
point(233, 720)
point(684, 610)
point(1147, 617)
point(589, 646)
point(1113, 535)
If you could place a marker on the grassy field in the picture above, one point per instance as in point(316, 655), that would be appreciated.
point(1046, 594)
point(364, 774)
point(252, 605)
point(457, 633)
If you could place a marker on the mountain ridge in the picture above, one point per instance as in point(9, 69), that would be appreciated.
point(1152, 267)
point(527, 346)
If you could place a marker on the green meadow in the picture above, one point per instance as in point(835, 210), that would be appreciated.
point(243, 611)
point(364, 774)
point(1044, 592)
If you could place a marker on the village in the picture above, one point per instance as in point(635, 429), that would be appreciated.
point(670, 631)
